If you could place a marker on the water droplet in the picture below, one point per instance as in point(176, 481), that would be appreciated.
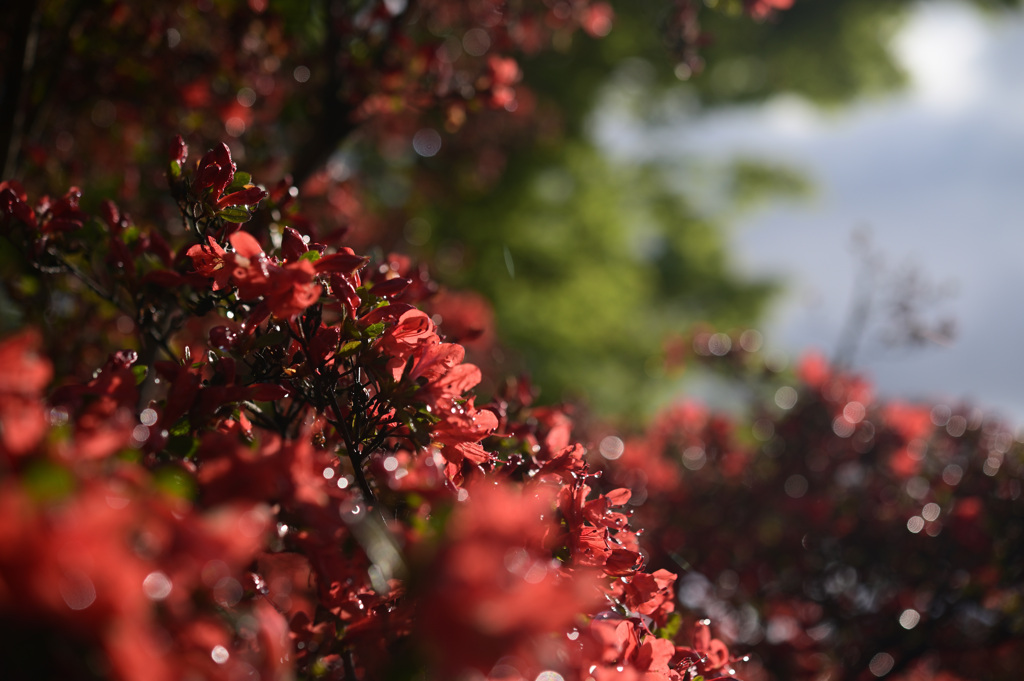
point(952, 474)
point(549, 676)
point(909, 618)
point(157, 586)
point(881, 664)
point(228, 592)
point(77, 590)
point(220, 654)
point(140, 434)
point(785, 397)
point(611, 447)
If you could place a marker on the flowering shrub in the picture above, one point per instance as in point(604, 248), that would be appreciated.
point(836, 534)
point(283, 475)
point(241, 440)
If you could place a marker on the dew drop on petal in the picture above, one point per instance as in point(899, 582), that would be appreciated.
point(157, 586)
point(77, 590)
point(228, 592)
point(549, 676)
point(219, 654)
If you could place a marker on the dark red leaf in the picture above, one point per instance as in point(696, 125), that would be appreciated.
point(343, 263)
point(216, 170)
point(178, 150)
point(11, 204)
point(292, 245)
point(243, 197)
point(205, 177)
point(391, 287)
point(111, 215)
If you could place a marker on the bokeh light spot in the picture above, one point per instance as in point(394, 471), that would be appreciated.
point(881, 664)
point(427, 142)
point(909, 618)
point(611, 447)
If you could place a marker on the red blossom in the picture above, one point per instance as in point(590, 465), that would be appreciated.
point(489, 577)
point(24, 375)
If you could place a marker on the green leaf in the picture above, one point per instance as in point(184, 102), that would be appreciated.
point(348, 348)
point(181, 428)
point(175, 482)
point(375, 330)
point(311, 256)
point(236, 214)
point(130, 235)
point(140, 371)
point(46, 481)
point(671, 628)
point(242, 179)
point(182, 445)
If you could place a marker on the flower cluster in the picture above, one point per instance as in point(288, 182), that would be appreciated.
point(835, 533)
point(284, 471)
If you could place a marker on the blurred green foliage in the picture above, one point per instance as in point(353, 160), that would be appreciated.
point(590, 264)
point(610, 257)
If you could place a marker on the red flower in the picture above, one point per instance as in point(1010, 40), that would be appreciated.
point(760, 9)
point(489, 578)
point(210, 261)
point(24, 374)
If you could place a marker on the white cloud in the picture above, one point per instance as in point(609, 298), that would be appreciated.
point(942, 48)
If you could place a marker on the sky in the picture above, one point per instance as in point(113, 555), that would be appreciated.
point(933, 174)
